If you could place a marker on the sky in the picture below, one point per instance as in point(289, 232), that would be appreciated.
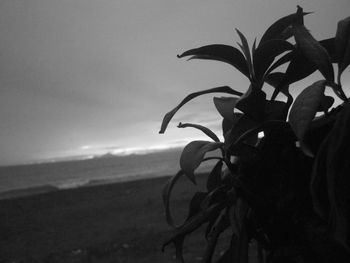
point(80, 77)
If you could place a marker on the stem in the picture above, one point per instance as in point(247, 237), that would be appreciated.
point(337, 88)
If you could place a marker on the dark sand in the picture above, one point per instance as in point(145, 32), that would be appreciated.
point(120, 222)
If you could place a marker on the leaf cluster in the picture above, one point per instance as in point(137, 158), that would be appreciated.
point(273, 152)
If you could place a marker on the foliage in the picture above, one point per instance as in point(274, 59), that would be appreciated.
point(288, 191)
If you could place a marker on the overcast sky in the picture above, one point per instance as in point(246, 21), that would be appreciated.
point(90, 76)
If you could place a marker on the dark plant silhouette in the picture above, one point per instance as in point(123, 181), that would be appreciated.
point(287, 190)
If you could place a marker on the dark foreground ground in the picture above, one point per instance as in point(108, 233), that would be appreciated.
point(121, 222)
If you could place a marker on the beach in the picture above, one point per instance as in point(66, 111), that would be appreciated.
point(118, 222)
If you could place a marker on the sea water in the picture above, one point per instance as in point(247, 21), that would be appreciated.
point(72, 174)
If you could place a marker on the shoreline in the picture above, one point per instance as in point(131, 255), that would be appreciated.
point(47, 188)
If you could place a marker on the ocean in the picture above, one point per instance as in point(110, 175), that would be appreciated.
point(35, 178)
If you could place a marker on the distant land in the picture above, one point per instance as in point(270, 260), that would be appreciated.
point(100, 169)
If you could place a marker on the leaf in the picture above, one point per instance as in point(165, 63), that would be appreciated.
point(166, 196)
point(204, 129)
point(338, 180)
point(304, 110)
point(312, 50)
point(225, 106)
point(282, 60)
point(299, 68)
point(195, 204)
point(275, 79)
point(222, 224)
point(276, 30)
point(329, 45)
point(246, 50)
point(223, 53)
point(342, 43)
point(266, 53)
point(167, 118)
point(214, 178)
point(192, 156)
point(265, 126)
point(243, 124)
point(226, 126)
point(252, 103)
point(191, 225)
point(326, 103)
point(346, 59)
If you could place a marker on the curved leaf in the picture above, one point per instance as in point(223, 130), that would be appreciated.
point(266, 53)
point(191, 225)
point(282, 60)
point(206, 130)
point(224, 53)
point(313, 50)
point(192, 156)
point(167, 118)
point(329, 45)
point(246, 50)
point(168, 187)
point(275, 31)
point(346, 59)
point(214, 178)
point(342, 43)
point(304, 110)
point(299, 68)
point(195, 204)
point(225, 106)
point(252, 103)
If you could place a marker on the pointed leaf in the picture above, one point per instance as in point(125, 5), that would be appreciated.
point(224, 53)
point(329, 45)
point(214, 178)
point(252, 103)
point(167, 118)
point(342, 41)
point(266, 53)
point(193, 154)
point(166, 196)
point(246, 50)
point(276, 30)
point(346, 59)
point(225, 106)
point(304, 110)
point(313, 51)
point(299, 68)
point(195, 204)
point(204, 129)
point(281, 61)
